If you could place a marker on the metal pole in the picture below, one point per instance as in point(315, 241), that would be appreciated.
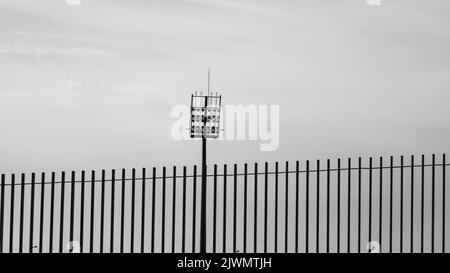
point(203, 212)
point(203, 197)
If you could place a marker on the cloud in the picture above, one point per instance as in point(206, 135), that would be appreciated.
point(78, 52)
point(62, 82)
point(127, 87)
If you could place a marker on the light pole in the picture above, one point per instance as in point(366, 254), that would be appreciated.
point(205, 123)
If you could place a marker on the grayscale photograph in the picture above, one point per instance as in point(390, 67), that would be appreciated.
point(225, 134)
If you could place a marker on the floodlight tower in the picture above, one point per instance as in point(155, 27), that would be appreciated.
point(205, 123)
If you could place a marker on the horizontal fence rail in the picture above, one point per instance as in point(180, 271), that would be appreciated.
point(377, 205)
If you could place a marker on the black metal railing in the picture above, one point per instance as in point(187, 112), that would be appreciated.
point(344, 207)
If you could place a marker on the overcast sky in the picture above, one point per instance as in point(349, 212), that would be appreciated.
point(93, 86)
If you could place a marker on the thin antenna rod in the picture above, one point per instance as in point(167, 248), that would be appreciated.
point(209, 73)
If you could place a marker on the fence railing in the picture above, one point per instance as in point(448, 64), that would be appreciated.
point(387, 206)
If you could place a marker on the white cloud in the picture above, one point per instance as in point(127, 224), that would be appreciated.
point(128, 87)
point(38, 51)
point(62, 82)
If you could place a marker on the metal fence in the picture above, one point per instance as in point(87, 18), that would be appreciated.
point(394, 206)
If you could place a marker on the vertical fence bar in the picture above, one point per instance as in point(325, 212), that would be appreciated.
point(183, 233)
point(245, 208)
point(266, 169)
point(153, 208)
point(307, 209)
point(11, 215)
point(92, 221)
point(122, 213)
point(286, 209)
point(143, 181)
point(41, 213)
point(359, 205)
point(22, 207)
point(443, 203)
point(133, 201)
point(328, 206)
point(174, 196)
point(215, 211)
point(370, 199)
point(433, 167)
point(163, 212)
point(194, 208)
point(391, 171)
point(102, 210)
point(318, 208)
point(52, 208)
point(255, 223)
point(224, 235)
point(380, 228)
point(412, 206)
point(83, 174)
point(422, 205)
point(113, 193)
point(401, 204)
point(276, 208)
point(72, 205)
point(2, 210)
point(338, 231)
point(61, 215)
point(234, 207)
point(349, 190)
point(33, 181)
point(296, 204)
